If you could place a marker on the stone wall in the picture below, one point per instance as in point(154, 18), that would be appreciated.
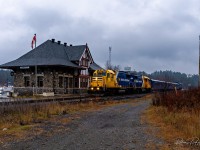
point(48, 79)
point(23, 91)
point(50, 82)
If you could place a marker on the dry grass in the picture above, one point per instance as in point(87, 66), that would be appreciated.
point(163, 128)
point(181, 110)
point(177, 115)
point(35, 113)
point(189, 99)
point(19, 119)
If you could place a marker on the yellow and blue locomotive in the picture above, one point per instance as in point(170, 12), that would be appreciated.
point(109, 81)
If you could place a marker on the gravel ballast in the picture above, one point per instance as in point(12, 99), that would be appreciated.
point(117, 127)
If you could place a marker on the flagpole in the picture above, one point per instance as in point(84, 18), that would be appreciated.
point(33, 41)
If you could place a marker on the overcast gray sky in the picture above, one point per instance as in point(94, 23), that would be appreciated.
point(147, 35)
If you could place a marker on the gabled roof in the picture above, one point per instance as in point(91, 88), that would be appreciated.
point(94, 66)
point(75, 52)
point(49, 53)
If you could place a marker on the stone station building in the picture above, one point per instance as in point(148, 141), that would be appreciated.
point(52, 67)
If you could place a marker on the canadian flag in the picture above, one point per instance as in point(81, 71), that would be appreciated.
point(33, 41)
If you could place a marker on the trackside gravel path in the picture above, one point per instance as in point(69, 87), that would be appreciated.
point(116, 127)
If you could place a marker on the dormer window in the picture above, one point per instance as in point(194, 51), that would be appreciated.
point(84, 62)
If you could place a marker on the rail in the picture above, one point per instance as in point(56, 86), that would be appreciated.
point(68, 99)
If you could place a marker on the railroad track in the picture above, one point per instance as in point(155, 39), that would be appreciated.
point(68, 99)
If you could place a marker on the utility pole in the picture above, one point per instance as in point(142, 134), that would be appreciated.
point(199, 61)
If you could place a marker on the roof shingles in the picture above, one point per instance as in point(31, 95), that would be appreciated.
point(49, 53)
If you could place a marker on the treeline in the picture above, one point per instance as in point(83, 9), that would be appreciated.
point(5, 77)
point(188, 81)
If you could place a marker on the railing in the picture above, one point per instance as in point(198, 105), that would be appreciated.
point(97, 78)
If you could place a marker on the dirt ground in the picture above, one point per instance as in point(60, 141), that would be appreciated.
point(117, 127)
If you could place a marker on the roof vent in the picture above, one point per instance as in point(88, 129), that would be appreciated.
point(58, 42)
point(65, 44)
point(70, 44)
point(53, 40)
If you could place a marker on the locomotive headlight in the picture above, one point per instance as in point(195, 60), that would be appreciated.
point(98, 88)
point(92, 88)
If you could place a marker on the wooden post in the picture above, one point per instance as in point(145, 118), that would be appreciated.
point(36, 79)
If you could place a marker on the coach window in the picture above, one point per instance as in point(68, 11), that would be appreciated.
point(26, 81)
point(111, 75)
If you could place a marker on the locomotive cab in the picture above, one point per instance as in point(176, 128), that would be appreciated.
point(103, 80)
point(146, 84)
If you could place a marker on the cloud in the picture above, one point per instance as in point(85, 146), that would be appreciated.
point(147, 35)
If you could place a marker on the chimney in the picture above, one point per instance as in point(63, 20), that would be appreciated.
point(53, 40)
point(70, 44)
point(65, 44)
point(58, 42)
point(86, 46)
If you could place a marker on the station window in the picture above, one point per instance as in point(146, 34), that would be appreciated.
point(76, 82)
point(60, 82)
point(70, 82)
point(83, 72)
point(84, 82)
point(84, 62)
point(27, 81)
point(40, 81)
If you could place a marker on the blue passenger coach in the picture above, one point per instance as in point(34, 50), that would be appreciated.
point(158, 85)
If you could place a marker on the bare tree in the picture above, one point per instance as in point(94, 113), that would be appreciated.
point(116, 67)
point(112, 67)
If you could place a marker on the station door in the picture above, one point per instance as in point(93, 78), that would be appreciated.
point(68, 84)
